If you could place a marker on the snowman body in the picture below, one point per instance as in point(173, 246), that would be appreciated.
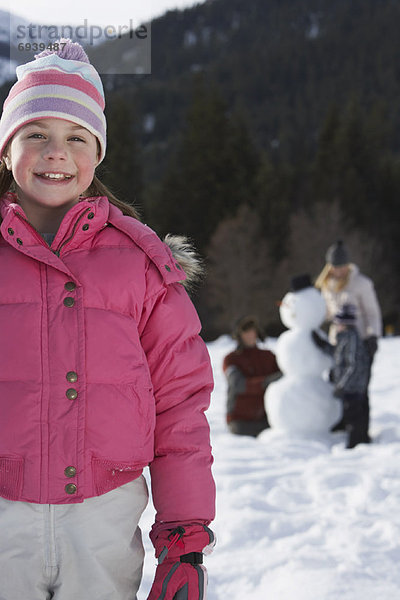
point(302, 401)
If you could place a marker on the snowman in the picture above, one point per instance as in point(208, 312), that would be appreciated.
point(302, 402)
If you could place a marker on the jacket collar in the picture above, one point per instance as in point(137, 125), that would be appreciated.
point(80, 223)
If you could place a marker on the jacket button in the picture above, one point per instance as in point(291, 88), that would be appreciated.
point(70, 285)
point(71, 488)
point(70, 472)
point(69, 301)
point(10, 231)
point(168, 267)
point(19, 241)
point(72, 376)
point(71, 394)
point(90, 215)
point(85, 227)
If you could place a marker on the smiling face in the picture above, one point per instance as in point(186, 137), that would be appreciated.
point(53, 162)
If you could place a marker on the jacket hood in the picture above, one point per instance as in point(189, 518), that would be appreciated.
point(184, 254)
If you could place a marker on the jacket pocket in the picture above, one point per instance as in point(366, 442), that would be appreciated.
point(11, 477)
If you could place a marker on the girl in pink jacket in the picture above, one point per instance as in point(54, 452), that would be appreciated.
point(102, 370)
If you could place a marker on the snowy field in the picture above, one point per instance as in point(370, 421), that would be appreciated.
point(302, 519)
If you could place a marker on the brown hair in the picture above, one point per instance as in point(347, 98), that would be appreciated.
point(96, 188)
point(244, 324)
point(6, 179)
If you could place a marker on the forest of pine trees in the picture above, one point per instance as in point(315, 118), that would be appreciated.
point(258, 219)
point(282, 145)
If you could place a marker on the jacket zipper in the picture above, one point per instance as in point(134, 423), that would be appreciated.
point(39, 237)
point(58, 250)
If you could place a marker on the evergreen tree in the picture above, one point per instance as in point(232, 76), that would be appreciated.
point(121, 170)
point(211, 174)
point(274, 202)
point(245, 161)
point(351, 159)
point(326, 167)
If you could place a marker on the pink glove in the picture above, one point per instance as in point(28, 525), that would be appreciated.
point(180, 574)
point(175, 580)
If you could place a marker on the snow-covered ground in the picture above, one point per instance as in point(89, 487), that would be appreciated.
point(301, 519)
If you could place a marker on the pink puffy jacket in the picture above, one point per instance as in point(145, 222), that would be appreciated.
point(102, 370)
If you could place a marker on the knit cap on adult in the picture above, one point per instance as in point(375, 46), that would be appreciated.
point(60, 84)
point(337, 254)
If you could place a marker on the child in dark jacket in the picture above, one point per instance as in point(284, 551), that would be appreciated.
point(350, 374)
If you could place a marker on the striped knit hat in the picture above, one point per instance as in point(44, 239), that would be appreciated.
point(60, 84)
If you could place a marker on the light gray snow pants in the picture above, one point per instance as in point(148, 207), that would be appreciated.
point(87, 551)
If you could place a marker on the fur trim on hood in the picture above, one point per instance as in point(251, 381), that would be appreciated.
point(185, 254)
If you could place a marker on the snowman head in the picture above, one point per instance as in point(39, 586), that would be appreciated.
point(304, 309)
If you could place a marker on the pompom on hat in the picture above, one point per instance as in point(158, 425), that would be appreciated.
point(60, 84)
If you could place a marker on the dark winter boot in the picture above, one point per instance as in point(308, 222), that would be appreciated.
point(356, 417)
point(355, 436)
